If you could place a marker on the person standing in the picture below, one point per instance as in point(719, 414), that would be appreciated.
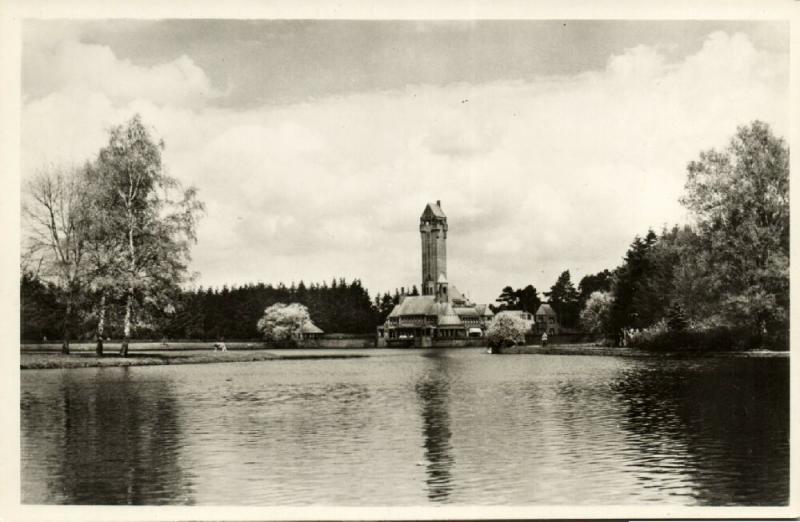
point(544, 339)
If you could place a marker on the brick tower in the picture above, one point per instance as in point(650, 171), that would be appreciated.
point(433, 229)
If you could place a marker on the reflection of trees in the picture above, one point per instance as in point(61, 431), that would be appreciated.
point(731, 416)
point(432, 394)
point(120, 441)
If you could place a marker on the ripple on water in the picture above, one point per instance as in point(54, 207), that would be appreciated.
point(411, 428)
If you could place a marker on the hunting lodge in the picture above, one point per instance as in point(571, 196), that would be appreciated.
point(441, 313)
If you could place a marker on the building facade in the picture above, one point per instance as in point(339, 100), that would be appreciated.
point(441, 315)
point(547, 320)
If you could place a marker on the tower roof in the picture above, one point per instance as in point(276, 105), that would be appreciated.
point(433, 210)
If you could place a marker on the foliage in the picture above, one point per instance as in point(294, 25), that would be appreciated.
point(740, 200)
point(676, 318)
point(526, 299)
point(659, 337)
point(145, 218)
point(281, 323)
point(596, 314)
point(589, 284)
point(506, 330)
point(40, 313)
point(565, 300)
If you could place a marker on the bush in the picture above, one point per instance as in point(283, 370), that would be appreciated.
point(660, 337)
point(506, 330)
point(281, 323)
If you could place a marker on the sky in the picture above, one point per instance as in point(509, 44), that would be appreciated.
point(316, 144)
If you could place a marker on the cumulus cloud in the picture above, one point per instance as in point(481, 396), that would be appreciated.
point(77, 68)
point(536, 176)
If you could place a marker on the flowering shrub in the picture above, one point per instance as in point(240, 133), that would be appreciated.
point(506, 330)
point(282, 323)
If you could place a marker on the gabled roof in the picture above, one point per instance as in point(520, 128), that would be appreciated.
point(442, 279)
point(433, 210)
point(545, 309)
point(310, 328)
point(449, 320)
point(415, 305)
point(483, 310)
point(455, 294)
point(464, 311)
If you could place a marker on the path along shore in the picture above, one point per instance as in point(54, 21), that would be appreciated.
point(82, 355)
point(48, 356)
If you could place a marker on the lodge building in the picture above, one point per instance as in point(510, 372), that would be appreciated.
point(441, 313)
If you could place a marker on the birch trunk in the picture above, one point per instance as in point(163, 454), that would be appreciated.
point(101, 324)
point(123, 351)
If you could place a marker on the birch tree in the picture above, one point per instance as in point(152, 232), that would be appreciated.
point(151, 214)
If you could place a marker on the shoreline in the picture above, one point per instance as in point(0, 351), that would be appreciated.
point(38, 357)
point(59, 361)
point(608, 351)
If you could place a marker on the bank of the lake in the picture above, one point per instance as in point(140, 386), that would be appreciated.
point(37, 357)
point(591, 349)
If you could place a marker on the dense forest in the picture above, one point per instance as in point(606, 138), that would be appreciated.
point(230, 313)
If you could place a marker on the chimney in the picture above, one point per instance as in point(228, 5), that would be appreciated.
point(438, 203)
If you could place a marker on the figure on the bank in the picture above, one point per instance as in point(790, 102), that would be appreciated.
point(544, 339)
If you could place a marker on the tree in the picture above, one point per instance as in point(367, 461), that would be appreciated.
point(589, 284)
point(281, 323)
point(528, 299)
point(740, 200)
point(596, 315)
point(56, 219)
point(676, 318)
point(506, 330)
point(157, 229)
point(565, 300)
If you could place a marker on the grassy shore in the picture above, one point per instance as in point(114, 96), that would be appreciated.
point(82, 355)
point(591, 349)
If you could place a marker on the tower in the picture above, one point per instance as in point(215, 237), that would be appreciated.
point(433, 229)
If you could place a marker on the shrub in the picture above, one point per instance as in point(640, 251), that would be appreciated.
point(506, 330)
point(660, 337)
point(282, 323)
point(596, 315)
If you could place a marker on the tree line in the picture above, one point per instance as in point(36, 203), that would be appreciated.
point(108, 246)
point(722, 279)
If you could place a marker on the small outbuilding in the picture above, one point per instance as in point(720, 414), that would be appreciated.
point(309, 331)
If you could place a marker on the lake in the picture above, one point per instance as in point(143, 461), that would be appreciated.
point(411, 427)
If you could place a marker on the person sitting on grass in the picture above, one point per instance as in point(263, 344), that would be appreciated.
point(220, 345)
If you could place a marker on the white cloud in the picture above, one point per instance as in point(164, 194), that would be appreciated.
point(78, 68)
point(536, 177)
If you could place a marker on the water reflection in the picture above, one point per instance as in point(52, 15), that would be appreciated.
point(433, 397)
point(116, 440)
point(730, 434)
point(410, 428)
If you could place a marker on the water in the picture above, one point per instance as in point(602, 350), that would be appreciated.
point(411, 428)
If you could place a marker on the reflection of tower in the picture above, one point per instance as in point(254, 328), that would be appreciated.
point(433, 396)
point(433, 229)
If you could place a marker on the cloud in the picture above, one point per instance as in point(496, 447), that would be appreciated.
point(536, 176)
point(76, 68)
